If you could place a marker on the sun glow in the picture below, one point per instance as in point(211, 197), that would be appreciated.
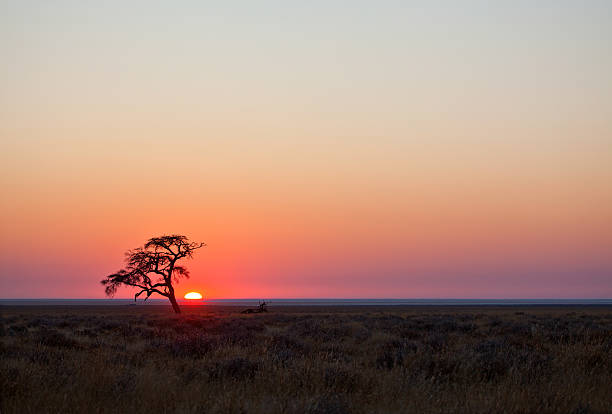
point(193, 295)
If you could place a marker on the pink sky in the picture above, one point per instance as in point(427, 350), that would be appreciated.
point(320, 151)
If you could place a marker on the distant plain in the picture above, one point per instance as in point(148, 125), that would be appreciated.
point(306, 359)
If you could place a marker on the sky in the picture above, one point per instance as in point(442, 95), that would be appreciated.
point(339, 149)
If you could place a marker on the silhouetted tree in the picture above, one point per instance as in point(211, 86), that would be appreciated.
point(152, 268)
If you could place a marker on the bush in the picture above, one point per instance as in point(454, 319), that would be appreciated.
point(235, 369)
point(53, 338)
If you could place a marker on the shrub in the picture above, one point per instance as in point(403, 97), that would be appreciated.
point(51, 337)
point(235, 369)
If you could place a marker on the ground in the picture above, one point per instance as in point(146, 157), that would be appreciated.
point(144, 359)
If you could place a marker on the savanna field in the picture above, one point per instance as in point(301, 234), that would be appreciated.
point(145, 359)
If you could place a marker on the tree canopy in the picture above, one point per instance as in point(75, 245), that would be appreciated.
point(153, 268)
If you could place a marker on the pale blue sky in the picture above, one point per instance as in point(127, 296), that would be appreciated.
point(548, 55)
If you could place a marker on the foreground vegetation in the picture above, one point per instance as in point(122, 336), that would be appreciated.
point(144, 359)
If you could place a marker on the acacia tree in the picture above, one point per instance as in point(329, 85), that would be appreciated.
point(153, 268)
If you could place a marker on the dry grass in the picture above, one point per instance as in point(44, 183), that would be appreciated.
point(306, 360)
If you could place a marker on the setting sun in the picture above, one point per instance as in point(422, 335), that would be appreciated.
point(193, 295)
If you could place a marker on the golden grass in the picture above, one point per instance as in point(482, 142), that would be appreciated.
point(306, 360)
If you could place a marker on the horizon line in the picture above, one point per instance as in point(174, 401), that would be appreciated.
point(334, 298)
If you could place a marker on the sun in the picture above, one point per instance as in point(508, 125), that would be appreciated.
point(193, 295)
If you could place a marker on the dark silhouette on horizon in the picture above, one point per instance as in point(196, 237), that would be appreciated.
point(261, 308)
point(152, 268)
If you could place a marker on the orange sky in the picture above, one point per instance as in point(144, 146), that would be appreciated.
point(394, 152)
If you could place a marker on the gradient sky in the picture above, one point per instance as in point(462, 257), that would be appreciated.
point(424, 149)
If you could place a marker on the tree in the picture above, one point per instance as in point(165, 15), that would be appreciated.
point(153, 268)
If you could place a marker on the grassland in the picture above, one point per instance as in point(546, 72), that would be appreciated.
point(144, 359)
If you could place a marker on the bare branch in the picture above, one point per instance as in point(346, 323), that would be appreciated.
point(154, 266)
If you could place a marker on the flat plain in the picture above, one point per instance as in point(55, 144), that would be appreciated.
point(306, 359)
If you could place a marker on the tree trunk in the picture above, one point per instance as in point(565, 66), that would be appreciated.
point(175, 304)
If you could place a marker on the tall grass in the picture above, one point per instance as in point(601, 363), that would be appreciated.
point(306, 360)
